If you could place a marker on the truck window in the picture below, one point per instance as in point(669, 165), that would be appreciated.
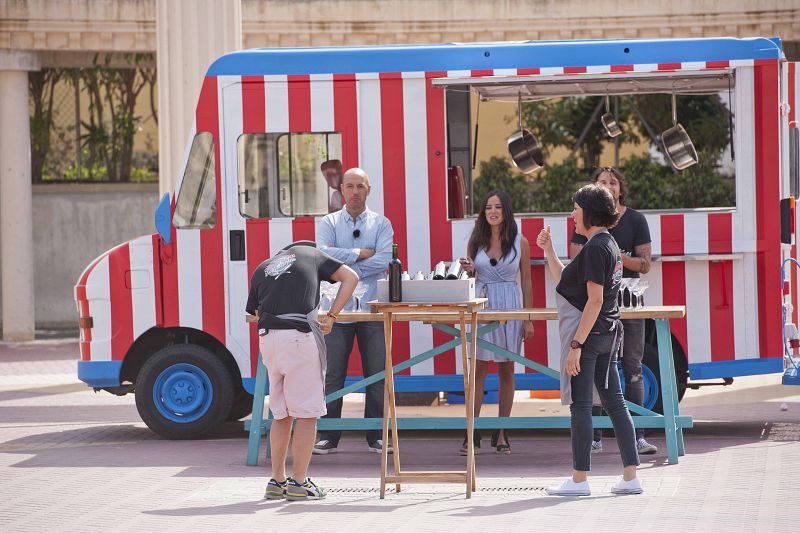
point(196, 205)
point(303, 190)
point(256, 152)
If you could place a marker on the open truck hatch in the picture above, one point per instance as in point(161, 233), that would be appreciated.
point(544, 86)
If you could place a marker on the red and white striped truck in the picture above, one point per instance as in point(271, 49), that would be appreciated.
point(163, 314)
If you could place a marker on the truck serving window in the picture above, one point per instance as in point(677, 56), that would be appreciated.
point(196, 205)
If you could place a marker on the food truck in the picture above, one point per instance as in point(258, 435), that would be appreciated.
point(163, 315)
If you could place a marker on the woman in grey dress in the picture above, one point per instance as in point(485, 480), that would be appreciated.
point(499, 258)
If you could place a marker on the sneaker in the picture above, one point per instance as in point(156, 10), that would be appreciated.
point(645, 448)
point(306, 491)
point(597, 446)
point(634, 486)
point(276, 490)
point(570, 488)
point(377, 446)
point(324, 447)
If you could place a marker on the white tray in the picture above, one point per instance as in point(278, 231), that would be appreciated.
point(430, 290)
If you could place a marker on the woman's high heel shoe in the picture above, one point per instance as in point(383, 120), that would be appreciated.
point(504, 448)
point(476, 440)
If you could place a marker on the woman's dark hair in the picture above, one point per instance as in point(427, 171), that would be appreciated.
point(481, 237)
point(598, 206)
point(623, 184)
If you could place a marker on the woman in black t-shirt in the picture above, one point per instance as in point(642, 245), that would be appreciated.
point(591, 334)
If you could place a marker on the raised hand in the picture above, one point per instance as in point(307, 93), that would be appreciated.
point(543, 240)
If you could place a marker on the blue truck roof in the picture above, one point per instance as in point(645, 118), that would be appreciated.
point(479, 56)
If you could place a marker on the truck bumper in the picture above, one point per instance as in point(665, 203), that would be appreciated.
point(99, 374)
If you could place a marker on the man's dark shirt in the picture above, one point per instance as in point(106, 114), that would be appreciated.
point(631, 231)
point(599, 261)
point(288, 282)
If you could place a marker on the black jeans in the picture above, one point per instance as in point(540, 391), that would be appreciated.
point(632, 354)
point(595, 360)
point(371, 344)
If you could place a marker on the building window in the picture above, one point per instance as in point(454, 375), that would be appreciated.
point(196, 207)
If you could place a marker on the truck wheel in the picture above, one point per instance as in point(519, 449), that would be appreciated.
point(242, 404)
point(183, 392)
point(652, 391)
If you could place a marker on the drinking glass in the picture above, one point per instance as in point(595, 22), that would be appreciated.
point(632, 284)
point(327, 294)
point(640, 289)
point(358, 294)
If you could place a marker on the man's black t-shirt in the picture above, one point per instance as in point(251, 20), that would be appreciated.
point(599, 261)
point(288, 282)
point(631, 231)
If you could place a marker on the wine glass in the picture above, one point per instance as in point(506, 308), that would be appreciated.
point(623, 283)
point(632, 284)
point(358, 294)
point(640, 288)
point(327, 293)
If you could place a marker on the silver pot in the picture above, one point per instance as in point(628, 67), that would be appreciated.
point(609, 122)
point(525, 151)
point(677, 144)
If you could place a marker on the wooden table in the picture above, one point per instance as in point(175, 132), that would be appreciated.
point(459, 312)
point(671, 421)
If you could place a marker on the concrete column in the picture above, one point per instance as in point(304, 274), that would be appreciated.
point(16, 208)
point(191, 35)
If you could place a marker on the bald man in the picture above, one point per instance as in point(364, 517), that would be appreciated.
point(361, 239)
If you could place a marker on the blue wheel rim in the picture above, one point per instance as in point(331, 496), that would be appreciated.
point(650, 385)
point(182, 393)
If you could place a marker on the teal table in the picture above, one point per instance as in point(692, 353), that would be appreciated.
point(671, 421)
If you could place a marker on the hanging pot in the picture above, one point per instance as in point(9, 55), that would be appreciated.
point(525, 151)
point(609, 122)
point(677, 144)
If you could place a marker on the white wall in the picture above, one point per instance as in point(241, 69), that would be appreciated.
point(73, 224)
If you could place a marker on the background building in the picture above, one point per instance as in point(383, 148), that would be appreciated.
point(102, 77)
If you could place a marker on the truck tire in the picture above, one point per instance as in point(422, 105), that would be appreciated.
point(184, 391)
point(650, 361)
point(242, 404)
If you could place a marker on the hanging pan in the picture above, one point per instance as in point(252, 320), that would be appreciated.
point(609, 122)
point(677, 144)
point(524, 148)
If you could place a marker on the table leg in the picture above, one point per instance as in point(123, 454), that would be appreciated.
point(387, 333)
point(389, 384)
point(469, 403)
point(254, 438)
point(668, 388)
point(472, 366)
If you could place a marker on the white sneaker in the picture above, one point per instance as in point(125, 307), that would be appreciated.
point(634, 486)
point(597, 446)
point(570, 488)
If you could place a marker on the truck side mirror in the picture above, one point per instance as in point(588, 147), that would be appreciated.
point(163, 218)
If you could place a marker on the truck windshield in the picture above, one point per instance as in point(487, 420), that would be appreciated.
point(196, 205)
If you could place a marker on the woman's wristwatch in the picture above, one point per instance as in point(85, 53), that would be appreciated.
point(575, 345)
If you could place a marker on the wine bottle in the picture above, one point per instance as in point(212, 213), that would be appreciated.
point(439, 270)
point(454, 271)
point(395, 281)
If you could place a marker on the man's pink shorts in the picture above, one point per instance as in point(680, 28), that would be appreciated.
point(296, 385)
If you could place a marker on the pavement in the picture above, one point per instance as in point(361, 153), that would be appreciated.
point(75, 460)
